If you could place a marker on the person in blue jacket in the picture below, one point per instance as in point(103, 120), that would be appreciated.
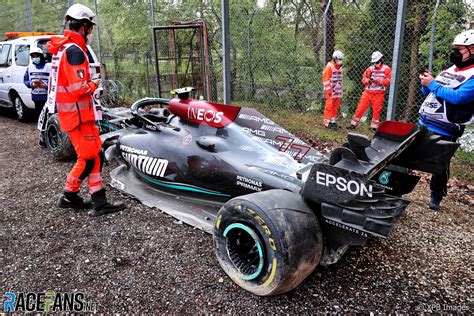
point(36, 78)
point(449, 105)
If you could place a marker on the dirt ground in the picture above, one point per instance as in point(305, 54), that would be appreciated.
point(141, 260)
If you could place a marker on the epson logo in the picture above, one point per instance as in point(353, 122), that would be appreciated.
point(205, 115)
point(149, 165)
point(351, 186)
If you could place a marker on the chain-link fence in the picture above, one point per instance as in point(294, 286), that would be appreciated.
point(131, 74)
point(278, 48)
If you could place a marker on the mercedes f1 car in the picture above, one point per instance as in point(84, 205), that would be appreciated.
point(276, 206)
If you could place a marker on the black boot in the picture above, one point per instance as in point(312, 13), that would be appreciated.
point(73, 200)
point(333, 126)
point(351, 126)
point(102, 207)
point(434, 202)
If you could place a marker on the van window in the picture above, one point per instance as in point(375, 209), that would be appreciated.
point(22, 55)
point(47, 55)
point(6, 56)
point(89, 55)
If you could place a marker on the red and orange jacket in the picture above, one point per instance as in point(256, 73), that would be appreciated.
point(74, 86)
point(332, 80)
point(377, 79)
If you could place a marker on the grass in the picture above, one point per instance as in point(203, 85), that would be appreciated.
point(462, 166)
point(309, 123)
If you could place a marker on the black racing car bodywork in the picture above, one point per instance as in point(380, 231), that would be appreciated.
point(233, 172)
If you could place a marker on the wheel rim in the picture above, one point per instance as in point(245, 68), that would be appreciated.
point(18, 108)
point(52, 137)
point(245, 250)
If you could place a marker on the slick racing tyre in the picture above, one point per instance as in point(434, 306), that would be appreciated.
point(57, 142)
point(267, 242)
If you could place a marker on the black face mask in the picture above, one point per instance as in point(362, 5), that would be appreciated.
point(456, 58)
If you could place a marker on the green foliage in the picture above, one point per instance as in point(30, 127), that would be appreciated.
point(367, 32)
point(276, 46)
point(449, 22)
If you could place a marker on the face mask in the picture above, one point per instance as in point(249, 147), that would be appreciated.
point(90, 37)
point(339, 62)
point(377, 64)
point(456, 58)
point(36, 60)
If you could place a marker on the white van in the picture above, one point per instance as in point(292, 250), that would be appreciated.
point(14, 60)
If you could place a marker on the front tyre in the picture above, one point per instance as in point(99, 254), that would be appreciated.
point(58, 142)
point(23, 114)
point(267, 242)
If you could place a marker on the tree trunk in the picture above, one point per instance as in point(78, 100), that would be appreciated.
point(330, 41)
point(313, 26)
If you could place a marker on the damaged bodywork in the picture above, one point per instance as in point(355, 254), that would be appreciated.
point(276, 206)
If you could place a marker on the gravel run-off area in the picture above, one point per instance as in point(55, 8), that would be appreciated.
point(141, 260)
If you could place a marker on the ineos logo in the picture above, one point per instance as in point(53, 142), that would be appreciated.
point(205, 115)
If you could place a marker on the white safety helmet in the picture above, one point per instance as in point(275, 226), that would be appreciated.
point(337, 55)
point(466, 38)
point(79, 12)
point(36, 50)
point(376, 56)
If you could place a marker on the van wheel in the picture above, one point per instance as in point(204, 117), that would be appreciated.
point(58, 142)
point(23, 114)
point(267, 242)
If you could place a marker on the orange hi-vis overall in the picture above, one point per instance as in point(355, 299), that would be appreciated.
point(376, 81)
point(332, 82)
point(73, 91)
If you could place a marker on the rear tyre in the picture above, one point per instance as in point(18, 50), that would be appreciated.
point(23, 114)
point(267, 242)
point(58, 142)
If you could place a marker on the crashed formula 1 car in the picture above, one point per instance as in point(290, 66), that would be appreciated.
point(276, 207)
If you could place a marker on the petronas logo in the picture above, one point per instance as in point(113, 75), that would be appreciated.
point(384, 177)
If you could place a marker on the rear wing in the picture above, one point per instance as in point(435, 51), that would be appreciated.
point(395, 143)
point(359, 190)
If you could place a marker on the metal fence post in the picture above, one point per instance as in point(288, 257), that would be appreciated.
point(147, 61)
point(325, 33)
point(62, 25)
point(29, 23)
point(226, 50)
point(397, 58)
point(433, 26)
point(98, 32)
point(153, 36)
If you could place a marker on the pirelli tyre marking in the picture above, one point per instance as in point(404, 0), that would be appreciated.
point(274, 228)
